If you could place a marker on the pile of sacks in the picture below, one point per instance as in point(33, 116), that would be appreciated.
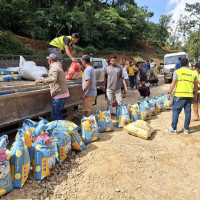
point(43, 144)
point(139, 112)
point(9, 75)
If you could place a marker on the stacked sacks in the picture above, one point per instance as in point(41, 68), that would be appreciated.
point(5, 173)
point(89, 129)
point(159, 104)
point(43, 158)
point(123, 118)
point(134, 111)
point(144, 110)
point(19, 160)
point(71, 129)
point(104, 121)
point(167, 103)
point(4, 78)
point(152, 106)
point(15, 78)
point(40, 128)
point(62, 142)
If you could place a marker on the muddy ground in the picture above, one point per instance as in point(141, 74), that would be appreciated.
point(120, 166)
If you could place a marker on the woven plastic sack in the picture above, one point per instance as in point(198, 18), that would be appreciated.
point(62, 142)
point(44, 159)
point(140, 129)
point(29, 126)
point(167, 103)
point(134, 111)
point(19, 161)
point(4, 72)
point(152, 106)
point(3, 141)
point(15, 78)
point(104, 121)
point(40, 128)
point(77, 142)
point(62, 125)
point(4, 78)
point(159, 104)
point(144, 110)
point(73, 71)
point(89, 129)
point(123, 118)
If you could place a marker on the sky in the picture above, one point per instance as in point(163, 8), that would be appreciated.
point(159, 7)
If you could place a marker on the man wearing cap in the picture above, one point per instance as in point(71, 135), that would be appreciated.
point(89, 86)
point(58, 86)
point(63, 43)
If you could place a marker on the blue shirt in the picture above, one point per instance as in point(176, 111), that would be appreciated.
point(178, 65)
point(89, 74)
point(175, 76)
point(148, 66)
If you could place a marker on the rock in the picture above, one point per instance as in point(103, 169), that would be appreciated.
point(117, 190)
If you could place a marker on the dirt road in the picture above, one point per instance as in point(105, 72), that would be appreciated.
point(120, 166)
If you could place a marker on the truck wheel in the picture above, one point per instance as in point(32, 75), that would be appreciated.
point(166, 81)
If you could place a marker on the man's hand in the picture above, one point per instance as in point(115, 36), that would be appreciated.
point(195, 98)
point(73, 59)
point(169, 96)
point(44, 75)
point(83, 97)
point(37, 81)
point(104, 88)
point(125, 89)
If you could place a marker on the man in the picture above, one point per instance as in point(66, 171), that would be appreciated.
point(63, 43)
point(196, 103)
point(153, 79)
point(125, 74)
point(58, 86)
point(131, 73)
point(136, 74)
point(144, 89)
point(113, 76)
point(185, 81)
point(89, 86)
point(152, 65)
point(178, 64)
point(148, 68)
point(143, 72)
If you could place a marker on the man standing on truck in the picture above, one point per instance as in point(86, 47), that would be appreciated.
point(58, 86)
point(63, 43)
point(185, 81)
point(178, 64)
point(197, 102)
point(113, 77)
point(89, 86)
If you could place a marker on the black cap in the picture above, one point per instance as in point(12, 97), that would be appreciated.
point(197, 65)
point(75, 35)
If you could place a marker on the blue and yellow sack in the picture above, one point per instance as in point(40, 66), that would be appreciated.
point(159, 104)
point(15, 77)
point(29, 126)
point(89, 129)
point(40, 128)
point(4, 78)
point(104, 121)
point(134, 111)
point(152, 106)
point(12, 72)
point(62, 142)
point(144, 110)
point(123, 118)
point(62, 125)
point(4, 72)
point(19, 161)
point(167, 103)
point(44, 159)
point(3, 141)
point(77, 142)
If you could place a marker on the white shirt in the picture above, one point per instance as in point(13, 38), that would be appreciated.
point(125, 73)
point(152, 65)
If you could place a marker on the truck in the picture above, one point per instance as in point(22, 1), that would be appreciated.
point(170, 63)
point(20, 100)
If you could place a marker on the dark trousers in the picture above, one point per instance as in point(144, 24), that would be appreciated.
point(57, 107)
point(155, 81)
point(144, 91)
point(132, 81)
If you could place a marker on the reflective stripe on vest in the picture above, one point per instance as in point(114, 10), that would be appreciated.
point(185, 83)
point(58, 42)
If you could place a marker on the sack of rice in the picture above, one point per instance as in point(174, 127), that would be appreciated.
point(167, 103)
point(152, 106)
point(134, 111)
point(123, 118)
point(144, 110)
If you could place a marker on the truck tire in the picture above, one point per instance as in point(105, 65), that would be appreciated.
point(166, 80)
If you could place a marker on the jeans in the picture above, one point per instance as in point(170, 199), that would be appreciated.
point(131, 81)
point(57, 107)
point(136, 81)
point(178, 104)
point(110, 94)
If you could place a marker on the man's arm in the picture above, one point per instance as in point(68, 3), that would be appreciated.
point(172, 86)
point(195, 89)
point(68, 52)
point(125, 86)
point(87, 86)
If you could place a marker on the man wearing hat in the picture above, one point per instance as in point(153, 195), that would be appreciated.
point(58, 86)
point(63, 43)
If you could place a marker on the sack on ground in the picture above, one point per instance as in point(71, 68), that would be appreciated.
point(77, 142)
point(140, 129)
point(40, 128)
point(15, 78)
point(144, 110)
point(89, 129)
point(159, 104)
point(123, 118)
point(113, 110)
point(29, 126)
point(134, 111)
point(62, 125)
point(44, 159)
point(3, 141)
point(167, 103)
point(62, 142)
point(152, 106)
point(73, 71)
point(4, 78)
point(19, 161)
point(104, 121)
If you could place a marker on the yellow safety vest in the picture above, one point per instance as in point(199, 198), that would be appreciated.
point(198, 77)
point(58, 42)
point(185, 83)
